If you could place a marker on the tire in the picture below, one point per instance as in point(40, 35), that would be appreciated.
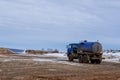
point(98, 61)
point(92, 61)
point(86, 59)
point(70, 57)
point(80, 59)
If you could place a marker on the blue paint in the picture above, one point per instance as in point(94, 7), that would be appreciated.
point(84, 46)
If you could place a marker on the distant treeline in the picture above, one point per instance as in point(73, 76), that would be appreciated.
point(29, 51)
point(42, 51)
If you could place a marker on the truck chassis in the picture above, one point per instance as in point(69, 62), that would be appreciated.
point(86, 57)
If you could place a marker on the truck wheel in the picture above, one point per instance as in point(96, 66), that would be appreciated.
point(80, 59)
point(98, 61)
point(92, 61)
point(86, 59)
point(70, 57)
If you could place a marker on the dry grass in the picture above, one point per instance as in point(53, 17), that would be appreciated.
point(5, 51)
point(24, 68)
point(36, 51)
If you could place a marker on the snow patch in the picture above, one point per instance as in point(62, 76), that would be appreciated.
point(62, 59)
point(116, 60)
point(112, 57)
point(113, 54)
point(52, 69)
point(3, 56)
point(69, 63)
point(46, 60)
point(57, 61)
point(6, 60)
point(56, 54)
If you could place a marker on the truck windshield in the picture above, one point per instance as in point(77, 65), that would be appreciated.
point(69, 46)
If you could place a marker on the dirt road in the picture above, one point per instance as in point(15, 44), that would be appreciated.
point(31, 67)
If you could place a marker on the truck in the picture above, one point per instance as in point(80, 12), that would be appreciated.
point(85, 52)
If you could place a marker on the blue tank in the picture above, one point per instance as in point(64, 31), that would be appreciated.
point(92, 47)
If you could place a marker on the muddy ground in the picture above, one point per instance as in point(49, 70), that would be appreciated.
point(31, 67)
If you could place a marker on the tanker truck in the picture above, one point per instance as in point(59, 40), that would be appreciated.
point(85, 52)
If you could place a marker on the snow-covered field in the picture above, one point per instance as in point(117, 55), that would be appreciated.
point(62, 58)
point(112, 57)
point(56, 55)
point(58, 58)
point(109, 57)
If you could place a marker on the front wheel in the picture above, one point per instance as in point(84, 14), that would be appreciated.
point(70, 57)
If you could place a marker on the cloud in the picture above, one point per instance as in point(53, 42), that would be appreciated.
point(35, 22)
point(44, 13)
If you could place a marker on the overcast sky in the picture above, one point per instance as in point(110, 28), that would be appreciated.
point(36, 24)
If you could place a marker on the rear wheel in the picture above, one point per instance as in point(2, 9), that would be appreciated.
point(80, 59)
point(92, 61)
point(98, 61)
point(85, 58)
